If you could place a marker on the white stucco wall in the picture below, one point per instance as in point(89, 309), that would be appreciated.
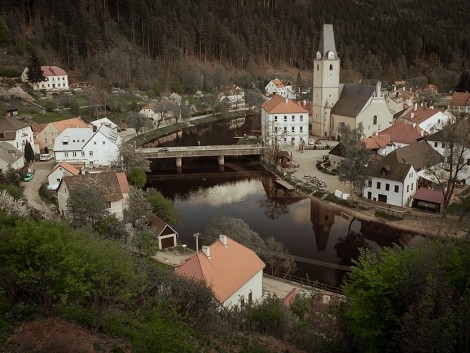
point(291, 128)
point(255, 285)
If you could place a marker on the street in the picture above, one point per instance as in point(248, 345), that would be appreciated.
point(31, 188)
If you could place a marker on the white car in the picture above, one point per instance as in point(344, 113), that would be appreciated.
point(45, 157)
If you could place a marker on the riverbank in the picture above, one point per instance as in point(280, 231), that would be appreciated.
point(414, 221)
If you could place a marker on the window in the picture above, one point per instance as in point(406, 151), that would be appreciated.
point(468, 161)
point(411, 175)
point(94, 142)
point(435, 144)
point(331, 67)
point(412, 186)
point(374, 120)
point(285, 118)
point(285, 128)
point(443, 145)
point(378, 185)
point(293, 129)
point(318, 67)
point(66, 154)
point(301, 129)
point(387, 187)
point(301, 118)
point(397, 188)
point(407, 188)
point(293, 118)
point(275, 117)
point(90, 153)
point(369, 183)
point(83, 153)
point(74, 154)
point(275, 129)
point(104, 142)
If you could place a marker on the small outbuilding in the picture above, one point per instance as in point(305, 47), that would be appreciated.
point(165, 235)
point(428, 199)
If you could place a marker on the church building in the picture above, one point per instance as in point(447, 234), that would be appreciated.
point(335, 103)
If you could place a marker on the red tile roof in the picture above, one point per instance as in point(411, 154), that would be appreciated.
point(280, 105)
point(123, 183)
point(228, 268)
point(37, 128)
point(403, 133)
point(71, 169)
point(52, 71)
point(377, 141)
point(460, 99)
point(277, 83)
point(419, 114)
point(429, 195)
point(61, 125)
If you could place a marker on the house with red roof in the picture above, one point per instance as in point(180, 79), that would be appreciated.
point(427, 119)
point(282, 88)
point(57, 173)
point(399, 135)
point(111, 186)
point(165, 235)
point(460, 103)
point(56, 79)
point(283, 122)
point(231, 270)
point(46, 134)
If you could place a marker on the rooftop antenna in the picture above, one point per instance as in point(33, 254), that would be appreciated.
point(196, 235)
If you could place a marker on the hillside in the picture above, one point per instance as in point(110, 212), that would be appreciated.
point(187, 45)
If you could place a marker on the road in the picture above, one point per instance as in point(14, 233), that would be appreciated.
point(31, 188)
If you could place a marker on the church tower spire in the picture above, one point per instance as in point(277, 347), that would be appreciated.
point(326, 70)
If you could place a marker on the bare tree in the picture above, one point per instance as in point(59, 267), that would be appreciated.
point(455, 137)
point(138, 121)
point(128, 158)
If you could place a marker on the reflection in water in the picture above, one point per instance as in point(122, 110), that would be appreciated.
point(308, 228)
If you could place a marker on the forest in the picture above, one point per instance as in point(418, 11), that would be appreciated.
point(187, 45)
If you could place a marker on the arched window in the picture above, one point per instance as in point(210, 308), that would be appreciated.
point(331, 66)
point(375, 120)
point(318, 67)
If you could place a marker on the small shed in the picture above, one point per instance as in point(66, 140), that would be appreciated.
point(165, 235)
point(428, 199)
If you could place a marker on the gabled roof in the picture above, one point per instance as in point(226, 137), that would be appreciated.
point(280, 105)
point(150, 106)
point(9, 153)
point(52, 71)
point(106, 183)
point(61, 125)
point(104, 121)
point(37, 128)
point(455, 133)
point(157, 224)
point(377, 141)
point(352, 100)
point(397, 164)
point(228, 268)
point(402, 133)
point(418, 114)
point(73, 139)
point(460, 99)
point(277, 83)
point(337, 150)
point(68, 167)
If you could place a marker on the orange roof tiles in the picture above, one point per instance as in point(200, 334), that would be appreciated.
point(228, 268)
point(402, 133)
point(61, 125)
point(460, 99)
point(419, 114)
point(280, 105)
point(37, 128)
point(67, 167)
point(123, 183)
point(278, 83)
point(376, 141)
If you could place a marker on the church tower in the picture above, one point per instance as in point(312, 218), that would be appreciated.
point(326, 69)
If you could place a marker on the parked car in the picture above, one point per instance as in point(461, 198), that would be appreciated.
point(45, 157)
point(28, 177)
point(163, 149)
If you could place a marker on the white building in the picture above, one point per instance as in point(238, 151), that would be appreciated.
point(394, 179)
point(46, 134)
point(283, 89)
point(152, 112)
point(88, 146)
point(60, 171)
point(427, 119)
point(56, 79)
point(111, 186)
point(104, 121)
point(16, 132)
point(232, 271)
point(283, 122)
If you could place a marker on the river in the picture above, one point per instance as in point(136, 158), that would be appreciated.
point(310, 229)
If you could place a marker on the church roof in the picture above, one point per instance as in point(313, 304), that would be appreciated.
point(352, 100)
point(327, 41)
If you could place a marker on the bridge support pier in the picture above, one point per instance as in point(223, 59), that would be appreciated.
point(179, 162)
point(221, 160)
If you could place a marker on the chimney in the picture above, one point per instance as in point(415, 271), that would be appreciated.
point(223, 239)
point(206, 250)
point(286, 99)
point(412, 115)
point(95, 128)
point(416, 106)
point(431, 107)
point(414, 124)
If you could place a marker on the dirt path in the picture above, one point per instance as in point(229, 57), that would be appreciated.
point(31, 188)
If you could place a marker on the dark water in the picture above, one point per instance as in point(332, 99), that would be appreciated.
point(308, 228)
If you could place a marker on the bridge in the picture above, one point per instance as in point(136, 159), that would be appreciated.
point(219, 151)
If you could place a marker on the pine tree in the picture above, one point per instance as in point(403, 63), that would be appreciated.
point(35, 73)
point(464, 82)
point(28, 152)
